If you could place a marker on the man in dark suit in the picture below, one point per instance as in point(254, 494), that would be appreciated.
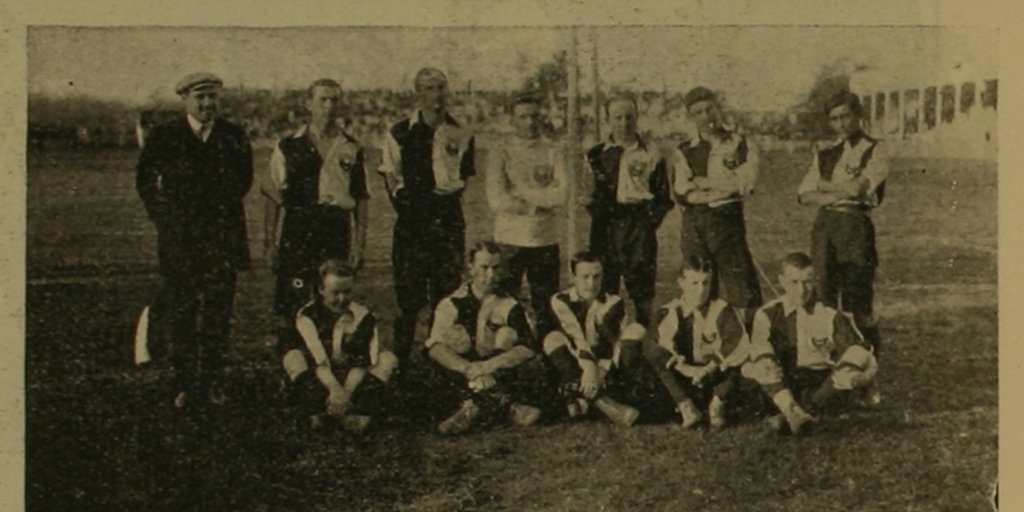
point(192, 175)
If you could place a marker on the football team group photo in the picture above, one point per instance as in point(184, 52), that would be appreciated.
point(471, 269)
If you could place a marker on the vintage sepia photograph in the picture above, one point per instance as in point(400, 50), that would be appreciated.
point(594, 268)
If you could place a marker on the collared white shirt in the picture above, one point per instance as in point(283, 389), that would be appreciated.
point(815, 333)
point(335, 179)
point(526, 181)
point(200, 129)
point(723, 165)
point(849, 168)
point(450, 145)
point(633, 177)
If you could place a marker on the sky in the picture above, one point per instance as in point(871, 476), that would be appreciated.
point(758, 67)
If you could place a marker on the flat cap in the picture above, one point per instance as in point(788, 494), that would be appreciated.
point(698, 94)
point(201, 80)
point(843, 98)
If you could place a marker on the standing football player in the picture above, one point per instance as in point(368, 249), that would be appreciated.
point(427, 160)
point(192, 176)
point(845, 182)
point(630, 198)
point(318, 179)
point(717, 170)
point(526, 181)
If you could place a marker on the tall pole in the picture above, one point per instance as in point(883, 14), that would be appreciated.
point(596, 80)
point(574, 153)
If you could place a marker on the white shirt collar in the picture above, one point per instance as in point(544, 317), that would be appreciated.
point(637, 144)
point(197, 125)
point(417, 118)
point(700, 136)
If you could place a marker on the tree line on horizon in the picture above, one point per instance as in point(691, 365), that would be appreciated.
point(270, 114)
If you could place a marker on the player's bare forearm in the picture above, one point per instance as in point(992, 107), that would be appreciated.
point(328, 379)
point(706, 196)
point(818, 198)
point(447, 358)
point(727, 187)
point(847, 189)
point(354, 378)
point(509, 359)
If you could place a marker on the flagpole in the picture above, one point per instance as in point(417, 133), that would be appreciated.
point(574, 153)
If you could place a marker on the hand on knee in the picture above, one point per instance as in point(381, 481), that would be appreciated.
point(553, 341)
point(633, 332)
point(294, 363)
point(763, 371)
point(386, 364)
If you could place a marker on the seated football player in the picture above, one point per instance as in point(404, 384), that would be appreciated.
point(697, 346)
point(481, 347)
point(806, 356)
point(593, 345)
point(337, 366)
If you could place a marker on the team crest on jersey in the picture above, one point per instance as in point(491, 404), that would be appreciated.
point(852, 170)
point(452, 148)
point(821, 343)
point(543, 175)
point(709, 338)
point(638, 168)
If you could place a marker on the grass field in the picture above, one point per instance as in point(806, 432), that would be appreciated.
point(101, 434)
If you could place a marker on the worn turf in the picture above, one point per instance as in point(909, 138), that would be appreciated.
point(101, 434)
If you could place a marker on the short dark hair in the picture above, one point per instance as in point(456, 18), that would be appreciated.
point(583, 257)
point(797, 260)
point(425, 72)
point(334, 267)
point(699, 93)
point(483, 246)
point(696, 263)
point(322, 82)
point(524, 98)
point(622, 96)
point(844, 98)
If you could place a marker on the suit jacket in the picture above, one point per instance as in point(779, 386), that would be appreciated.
point(193, 192)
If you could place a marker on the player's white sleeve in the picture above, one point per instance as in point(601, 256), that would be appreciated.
point(682, 182)
point(667, 329)
point(391, 162)
point(570, 325)
point(746, 173)
point(760, 346)
point(496, 186)
point(810, 181)
point(310, 336)
point(876, 170)
point(276, 175)
point(445, 316)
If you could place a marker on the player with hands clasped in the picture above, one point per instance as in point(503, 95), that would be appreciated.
point(427, 161)
point(526, 183)
point(630, 198)
point(593, 344)
point(482, 351)
point(714, 172)
point(845, 182)
point(696, 346)
point(337, 366)
point(804, 354)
